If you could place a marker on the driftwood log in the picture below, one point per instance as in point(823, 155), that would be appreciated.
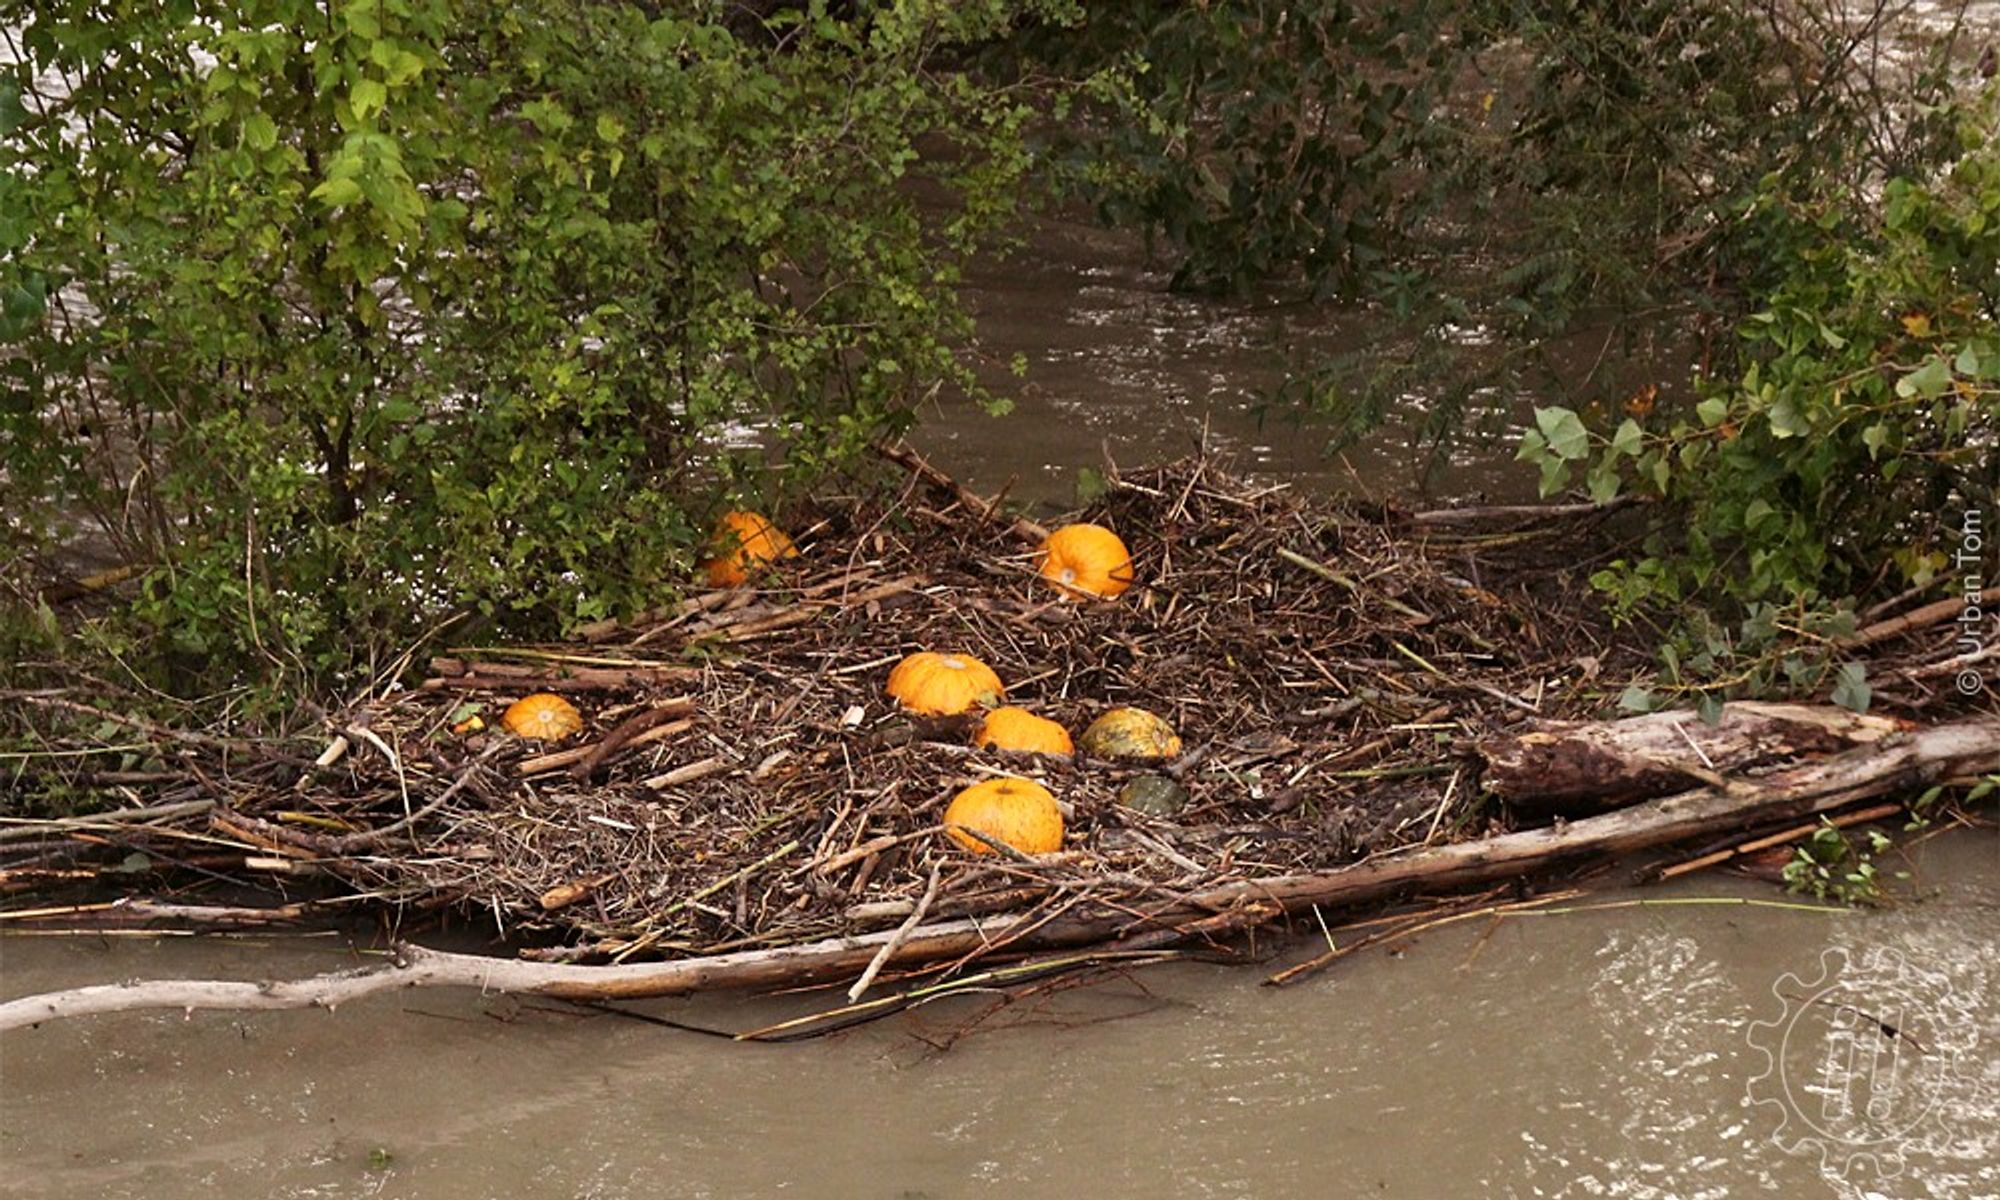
point(1580, 768)
point(1888, 764)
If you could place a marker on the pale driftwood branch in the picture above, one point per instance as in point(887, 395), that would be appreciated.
point(1960, 751)
point(460, 674)
point(17, 828)
point(1579, 768)
point(1519, 512)
point(1923, 618)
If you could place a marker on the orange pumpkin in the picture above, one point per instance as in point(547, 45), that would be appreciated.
point(542, 717)
point(1013, 728)
point(744, 541)
point(1130, 733)
point(1086, 561)
point(1017, 812)
point(943, 685)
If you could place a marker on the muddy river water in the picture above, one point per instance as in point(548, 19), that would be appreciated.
point(1610, 1052)
point(1621, 1051)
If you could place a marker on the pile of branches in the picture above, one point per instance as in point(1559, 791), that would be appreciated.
point(743, 785)
point(743, 779)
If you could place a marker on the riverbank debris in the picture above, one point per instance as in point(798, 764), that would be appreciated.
point(747, 806)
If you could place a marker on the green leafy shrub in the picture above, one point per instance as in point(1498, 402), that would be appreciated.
point(1847, 456)
point(1831, 866)
point(337, 318)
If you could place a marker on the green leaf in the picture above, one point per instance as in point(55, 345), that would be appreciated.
point(1629, 440)
point(1757, 513)
point(1090, 485)
point(135, 863)
point(1712, 411)
point(1603, 481)
point(12, 114)
point(361, 17)
point(260, 132)
point(1653, 465)
point(402, 67)
point(1534, 447)
point(1638, 698)
point(1708, 706)
point(1875, 437)
point(1927, 381)
point(400, 409)
point(548, 116)
point(1564, 431)
point(337, 193)
point(1555, 476)
point(1850, 689)
point(1786, 420)
point(367, 98)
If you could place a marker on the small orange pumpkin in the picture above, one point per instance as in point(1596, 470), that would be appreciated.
point(944, 685)
point(1014, 728)
point(744, 541)
point(542, 717)
point(1130, 733)
point(1086, 561)
point(1018, 812)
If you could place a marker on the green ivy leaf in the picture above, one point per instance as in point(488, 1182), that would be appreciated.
point(1850, 689)
point(1603, 481)
point(1564, 431)
point(1629, 440)
point(1555, 476)
point(1875, 437)
point(1534, 447)
point(1786, 420)
point(1708, 706)
point(1712, 411)
point(1928, 381)
point(1757, 514)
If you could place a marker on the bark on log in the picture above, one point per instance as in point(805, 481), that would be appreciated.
point(1580, 768)
point(1960, 751)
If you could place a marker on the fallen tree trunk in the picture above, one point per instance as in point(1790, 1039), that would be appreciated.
point(1579, 768)
point(1955, 752)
